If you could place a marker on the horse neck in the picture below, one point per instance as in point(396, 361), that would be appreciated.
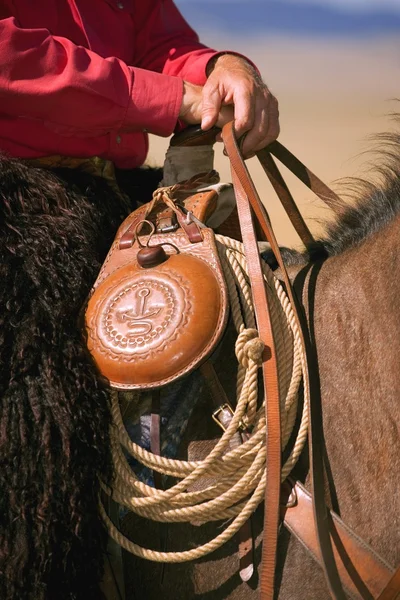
point(357, 334)
point(356, 320)
point(357, 301)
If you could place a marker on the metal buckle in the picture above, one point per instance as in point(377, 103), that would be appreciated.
point(219, 410)
point(189, 216)
point(228, 407)
point(168, 228)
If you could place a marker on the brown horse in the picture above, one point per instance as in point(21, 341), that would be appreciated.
point(55, 230)
point(350, 291)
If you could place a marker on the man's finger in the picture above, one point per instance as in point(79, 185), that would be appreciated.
point(211, 106)
point(225, 116)
point(244, 112)
point(258, 132)
point(273, 125)
point(266, 128)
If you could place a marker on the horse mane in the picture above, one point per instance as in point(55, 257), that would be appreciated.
point(373, 204)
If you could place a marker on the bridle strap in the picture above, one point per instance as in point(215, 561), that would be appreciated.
point(314, 183)
point(246, 196)
point(286, 198)
point(304, 174)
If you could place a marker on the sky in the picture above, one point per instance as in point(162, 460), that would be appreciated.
point(348, 5)
point(353, 5)
point(295, 17)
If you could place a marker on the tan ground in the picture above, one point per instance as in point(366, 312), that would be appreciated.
point(332, 96)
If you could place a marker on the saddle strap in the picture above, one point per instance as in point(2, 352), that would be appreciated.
point(223, 417)
point(363, 572)
point(392, 589)
point(246, 196)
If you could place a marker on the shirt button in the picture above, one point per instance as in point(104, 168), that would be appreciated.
point(120, 5)
point(118, 139)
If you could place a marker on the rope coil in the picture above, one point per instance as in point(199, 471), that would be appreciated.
point(235, 477)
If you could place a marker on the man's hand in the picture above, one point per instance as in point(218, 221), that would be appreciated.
point(234, 90)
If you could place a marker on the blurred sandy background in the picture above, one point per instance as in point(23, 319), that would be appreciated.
point(333, 94)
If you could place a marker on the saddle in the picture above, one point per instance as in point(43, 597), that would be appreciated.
point(159, 308)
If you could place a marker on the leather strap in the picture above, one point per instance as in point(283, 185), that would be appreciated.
point(246, 194)
point(313, 182)
point(285, 197)
point(247, 199)
point(155, 438)
point(195, 136)
point(219, 398)
point(155, 447)
point(392, 589)
point(362, 571)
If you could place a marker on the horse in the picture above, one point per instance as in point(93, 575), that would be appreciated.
point(347, 287)
point(56, 228)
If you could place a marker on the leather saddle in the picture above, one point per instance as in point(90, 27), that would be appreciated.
point(159, 305)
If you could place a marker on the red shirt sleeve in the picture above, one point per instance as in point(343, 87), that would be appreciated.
point(166, 44)
point(76, 92)
point(71, 89)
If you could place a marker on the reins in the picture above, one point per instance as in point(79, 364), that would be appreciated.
point(247, 196)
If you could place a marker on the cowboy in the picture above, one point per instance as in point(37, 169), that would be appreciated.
point(82, 83)
point(93, 78)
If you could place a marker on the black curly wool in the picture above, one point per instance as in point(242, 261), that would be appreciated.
point(55, 230)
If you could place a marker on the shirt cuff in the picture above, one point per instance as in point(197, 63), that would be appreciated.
point(154, 104)
point(196, 71)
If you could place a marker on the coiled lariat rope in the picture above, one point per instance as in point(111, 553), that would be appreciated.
point(237, 476)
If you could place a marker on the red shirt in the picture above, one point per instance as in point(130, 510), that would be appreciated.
point(90, 77)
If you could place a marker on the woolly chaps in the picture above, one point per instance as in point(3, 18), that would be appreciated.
point(55, 230)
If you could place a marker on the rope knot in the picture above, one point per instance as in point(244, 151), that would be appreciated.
point(249, 347)
point(167, 191)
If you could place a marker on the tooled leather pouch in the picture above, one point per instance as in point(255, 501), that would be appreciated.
point(159, 305)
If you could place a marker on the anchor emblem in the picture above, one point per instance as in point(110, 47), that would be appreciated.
point(139, 317)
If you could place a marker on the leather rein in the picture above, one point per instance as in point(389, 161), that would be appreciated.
point(348, 562)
